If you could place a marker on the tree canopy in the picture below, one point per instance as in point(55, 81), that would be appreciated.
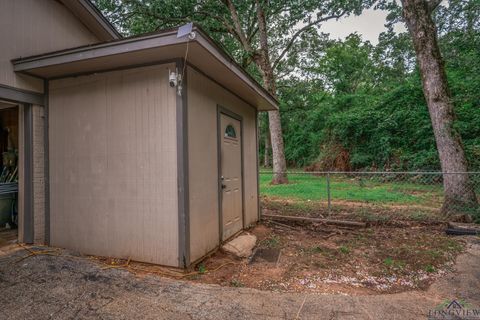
point(363, 104)
point(345, 104)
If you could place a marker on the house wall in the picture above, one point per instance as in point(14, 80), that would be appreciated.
point(203, 97)
point(113, 165)
point(38, 156)
point(29, 27)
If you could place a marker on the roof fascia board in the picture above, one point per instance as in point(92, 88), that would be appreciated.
point(214, 50)
point(101, 19)
point(96, 51)
point(137, 44)
point(87, 7)
point(18, 95)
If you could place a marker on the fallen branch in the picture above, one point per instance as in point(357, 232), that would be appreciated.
point(469, 226)
point(53, 252)
point(282, 225)
point(133, 268)
point(343, 223)
point(301, 307)
point(462, 232)
point(461, 229)
point(125, 265)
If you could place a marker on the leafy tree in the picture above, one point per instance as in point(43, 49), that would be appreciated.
point(270, 35)
point(394, 57)
point(347, 66)
point(345, 104)
point(459, 191)
point(385, 123)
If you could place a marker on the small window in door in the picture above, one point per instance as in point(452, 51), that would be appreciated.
point(230, 132)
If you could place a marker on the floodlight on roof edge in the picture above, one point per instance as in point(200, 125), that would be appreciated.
point(186, 30)
point(183, 31)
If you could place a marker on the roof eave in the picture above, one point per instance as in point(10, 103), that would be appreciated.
point(210, 45)
point(93, 19)
point(28, 65)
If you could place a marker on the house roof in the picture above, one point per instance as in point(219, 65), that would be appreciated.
point(93, 19)
point(147, 49)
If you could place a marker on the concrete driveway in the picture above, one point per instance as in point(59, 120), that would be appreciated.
point(69, 287)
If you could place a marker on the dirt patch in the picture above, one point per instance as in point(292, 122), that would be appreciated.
point(352, 210)
point(323, 259)
point(262, 255)
point(316, 258)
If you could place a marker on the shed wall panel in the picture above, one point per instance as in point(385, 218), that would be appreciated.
point(113, 165)
point(29, 27)
point(203, 97)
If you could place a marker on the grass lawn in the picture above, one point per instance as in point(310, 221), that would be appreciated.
point(364, 189)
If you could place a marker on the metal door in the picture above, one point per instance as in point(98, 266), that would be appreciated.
point(231, 175)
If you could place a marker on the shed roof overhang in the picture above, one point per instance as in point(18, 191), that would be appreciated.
point(203, 54)
point(93, 19)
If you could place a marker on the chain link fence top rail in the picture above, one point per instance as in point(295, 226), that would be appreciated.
point(370, 196)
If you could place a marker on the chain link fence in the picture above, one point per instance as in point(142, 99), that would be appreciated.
point(373, 196)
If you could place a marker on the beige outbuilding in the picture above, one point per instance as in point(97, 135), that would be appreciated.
point(150, 146)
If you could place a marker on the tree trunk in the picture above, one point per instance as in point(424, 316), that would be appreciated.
point(459, 192)
point(266, 157)
point(262, 59)
point(278, 155)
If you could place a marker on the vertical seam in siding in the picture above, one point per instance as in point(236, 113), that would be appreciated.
point(182, 171)
point(29, 229)
point(219, 181)
point(46, 163)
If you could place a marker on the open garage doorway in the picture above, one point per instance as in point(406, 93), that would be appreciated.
point(9, 172)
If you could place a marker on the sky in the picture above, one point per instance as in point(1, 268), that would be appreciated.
point(369, 24)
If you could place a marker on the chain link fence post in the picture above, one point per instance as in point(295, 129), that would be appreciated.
point(328, 194)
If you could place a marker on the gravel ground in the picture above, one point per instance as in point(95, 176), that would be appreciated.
point(70, 287)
